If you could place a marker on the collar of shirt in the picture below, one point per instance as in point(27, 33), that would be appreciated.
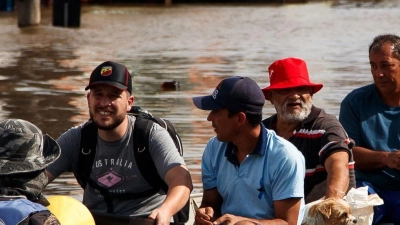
point(259, 149)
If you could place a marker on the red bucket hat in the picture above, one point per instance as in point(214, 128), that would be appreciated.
point(289, 73)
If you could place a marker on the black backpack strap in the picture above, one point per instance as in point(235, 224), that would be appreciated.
point(141, 151)
point(143, 125)
point(87, 152)
point(171, 130)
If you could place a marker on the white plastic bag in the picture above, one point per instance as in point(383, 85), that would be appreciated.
point(362, 204)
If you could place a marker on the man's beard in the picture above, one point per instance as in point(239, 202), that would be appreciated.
point(116, 122)
point(287, 116)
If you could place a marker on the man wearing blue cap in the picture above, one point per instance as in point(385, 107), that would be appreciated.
point(248, 172)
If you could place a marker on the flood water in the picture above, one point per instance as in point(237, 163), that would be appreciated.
point(44, 69)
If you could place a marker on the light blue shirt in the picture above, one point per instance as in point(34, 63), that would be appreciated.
point(274, 171)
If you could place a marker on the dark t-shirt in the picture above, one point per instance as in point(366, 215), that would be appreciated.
point(115, 169)
point(318, 137)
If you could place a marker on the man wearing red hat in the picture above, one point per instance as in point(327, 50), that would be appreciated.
point(318, 135)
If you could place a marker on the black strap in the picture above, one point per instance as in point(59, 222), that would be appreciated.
point(143, 125)
point(87, 152)
point(171, 130)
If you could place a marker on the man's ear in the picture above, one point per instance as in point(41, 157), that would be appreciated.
point(269, 93)
point(242, 117)
point(131, 100)
point(87, 98)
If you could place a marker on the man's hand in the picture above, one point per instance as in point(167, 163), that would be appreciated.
point(368, 159)
point(179, 187)
point(204, 216)
point(393, 160)
point(161, 218)
point(229, 219)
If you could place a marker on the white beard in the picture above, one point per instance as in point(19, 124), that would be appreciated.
point(295, 116)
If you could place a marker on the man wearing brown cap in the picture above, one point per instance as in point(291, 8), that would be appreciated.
point(115, 184)
point(318, 135)
point(249, 173)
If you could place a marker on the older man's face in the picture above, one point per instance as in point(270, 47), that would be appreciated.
point(385, 69)
point(292, 104)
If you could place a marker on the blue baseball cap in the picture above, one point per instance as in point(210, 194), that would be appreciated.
point(237, 94)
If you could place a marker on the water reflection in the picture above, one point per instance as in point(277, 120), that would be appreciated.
point(29, 90)
point(44, 69)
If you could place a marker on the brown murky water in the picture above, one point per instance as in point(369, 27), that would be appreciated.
point(44, 69)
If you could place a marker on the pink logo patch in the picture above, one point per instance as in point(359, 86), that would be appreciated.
point(109, 179)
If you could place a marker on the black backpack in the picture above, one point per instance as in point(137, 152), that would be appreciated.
point(144, 122)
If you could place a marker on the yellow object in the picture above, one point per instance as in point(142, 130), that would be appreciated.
point(70, 211)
